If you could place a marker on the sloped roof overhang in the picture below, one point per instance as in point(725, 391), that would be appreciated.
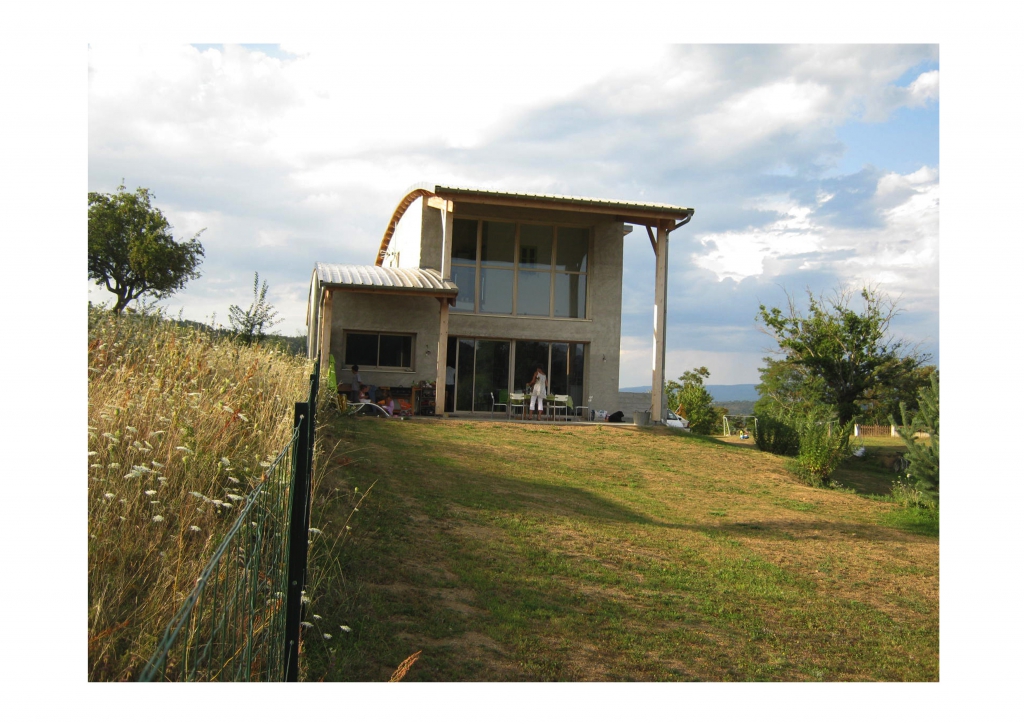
point(384, 280)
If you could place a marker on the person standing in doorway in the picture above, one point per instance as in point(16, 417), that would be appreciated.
point(538, 391)
point(449, 388)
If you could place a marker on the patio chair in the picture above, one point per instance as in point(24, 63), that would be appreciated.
point(495, 403)
point(590, 401)
point(561, 402)
point(517, 399)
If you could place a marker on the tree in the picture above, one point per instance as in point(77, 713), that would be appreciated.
point(253, 324)
point(923, 456)
point(132, 251)
point(842, 353)
point(692, 401)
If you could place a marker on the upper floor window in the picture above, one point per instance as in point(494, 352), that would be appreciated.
point(522, 269)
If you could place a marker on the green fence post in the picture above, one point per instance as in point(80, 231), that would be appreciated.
point(298, 542)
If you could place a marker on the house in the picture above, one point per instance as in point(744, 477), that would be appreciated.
point(493, 284)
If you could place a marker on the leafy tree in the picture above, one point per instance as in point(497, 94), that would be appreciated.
point(692, 400)
point(884, 402)
point(923, 456)
point(787, 392)
point(253, 324)
point(132, 251)
point(838, 353)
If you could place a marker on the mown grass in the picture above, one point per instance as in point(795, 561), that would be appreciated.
point(512, 552)
point(179, 424)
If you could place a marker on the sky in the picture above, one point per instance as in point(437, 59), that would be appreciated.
point(810, 167)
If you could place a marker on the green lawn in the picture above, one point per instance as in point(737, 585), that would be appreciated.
point(514, 552)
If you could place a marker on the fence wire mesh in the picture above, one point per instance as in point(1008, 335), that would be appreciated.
point(232, 626)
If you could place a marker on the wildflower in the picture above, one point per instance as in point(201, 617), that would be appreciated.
point(346, 629)
point(150, 492)
point(158, 519)
point(183, 449)
point(162, 479)
point(154, 502)
point(198, 495)
point(156, 432)
point(234, 480)
point(108, 435)
point(157, 465)
point(306, 624)
point(108, 496)
point(327, 636)
point(114, 465)
point(227, 505)
point(92, 452)
point(95, 465)
point(129, 428)
point(243, 417)
point(315, 531)
point(348, 527)
point(317, 616)
point(264, 464)
point(225, 461)
point(217, 501)
point(122, 517)
point(228, 409)
point(234, 497)
point(195, 528)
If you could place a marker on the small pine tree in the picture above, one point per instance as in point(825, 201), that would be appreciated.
point(253, 324)
point(923, 456)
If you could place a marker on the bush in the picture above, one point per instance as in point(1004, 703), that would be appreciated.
point(775, 436)
point(823, 447)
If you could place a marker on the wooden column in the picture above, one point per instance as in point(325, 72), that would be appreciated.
point(442, 361)
point(325, 333)
point(660, 298)
point(447, 222)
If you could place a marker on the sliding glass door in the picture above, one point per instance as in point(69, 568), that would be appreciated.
point(483, 368)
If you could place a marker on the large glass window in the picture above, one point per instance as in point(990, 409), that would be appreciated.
point(506, 268)
point(378, 350)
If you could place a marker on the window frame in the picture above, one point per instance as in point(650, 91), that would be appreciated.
point(412, 350)
point(553, 270)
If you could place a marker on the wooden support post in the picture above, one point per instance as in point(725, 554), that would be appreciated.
point(447, 222)
point(660, 316)
point(442, 361)
point(325, 333)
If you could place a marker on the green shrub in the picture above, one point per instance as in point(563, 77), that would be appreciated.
point(823, 447)
point(775, 436)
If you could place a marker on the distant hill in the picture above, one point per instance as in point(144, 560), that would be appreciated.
point(721, 393)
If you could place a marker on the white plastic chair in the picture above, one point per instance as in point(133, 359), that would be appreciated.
point(561, 403)
point(590, 401)
point(495, 403)
point(516, 399)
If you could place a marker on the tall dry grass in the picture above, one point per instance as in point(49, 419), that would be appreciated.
point(180, 426)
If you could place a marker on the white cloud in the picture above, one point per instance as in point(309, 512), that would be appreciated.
point(903, 251)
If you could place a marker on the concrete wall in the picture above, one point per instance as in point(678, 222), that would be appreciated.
point(372, 312)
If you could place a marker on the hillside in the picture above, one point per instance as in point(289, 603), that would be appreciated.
point(520, 552)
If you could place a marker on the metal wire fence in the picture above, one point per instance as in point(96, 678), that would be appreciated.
point(241, 621)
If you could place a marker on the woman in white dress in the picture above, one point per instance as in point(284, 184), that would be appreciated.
point(538, 391)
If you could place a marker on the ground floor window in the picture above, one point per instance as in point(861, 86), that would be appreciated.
point(486, 367)
point(370, 349)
